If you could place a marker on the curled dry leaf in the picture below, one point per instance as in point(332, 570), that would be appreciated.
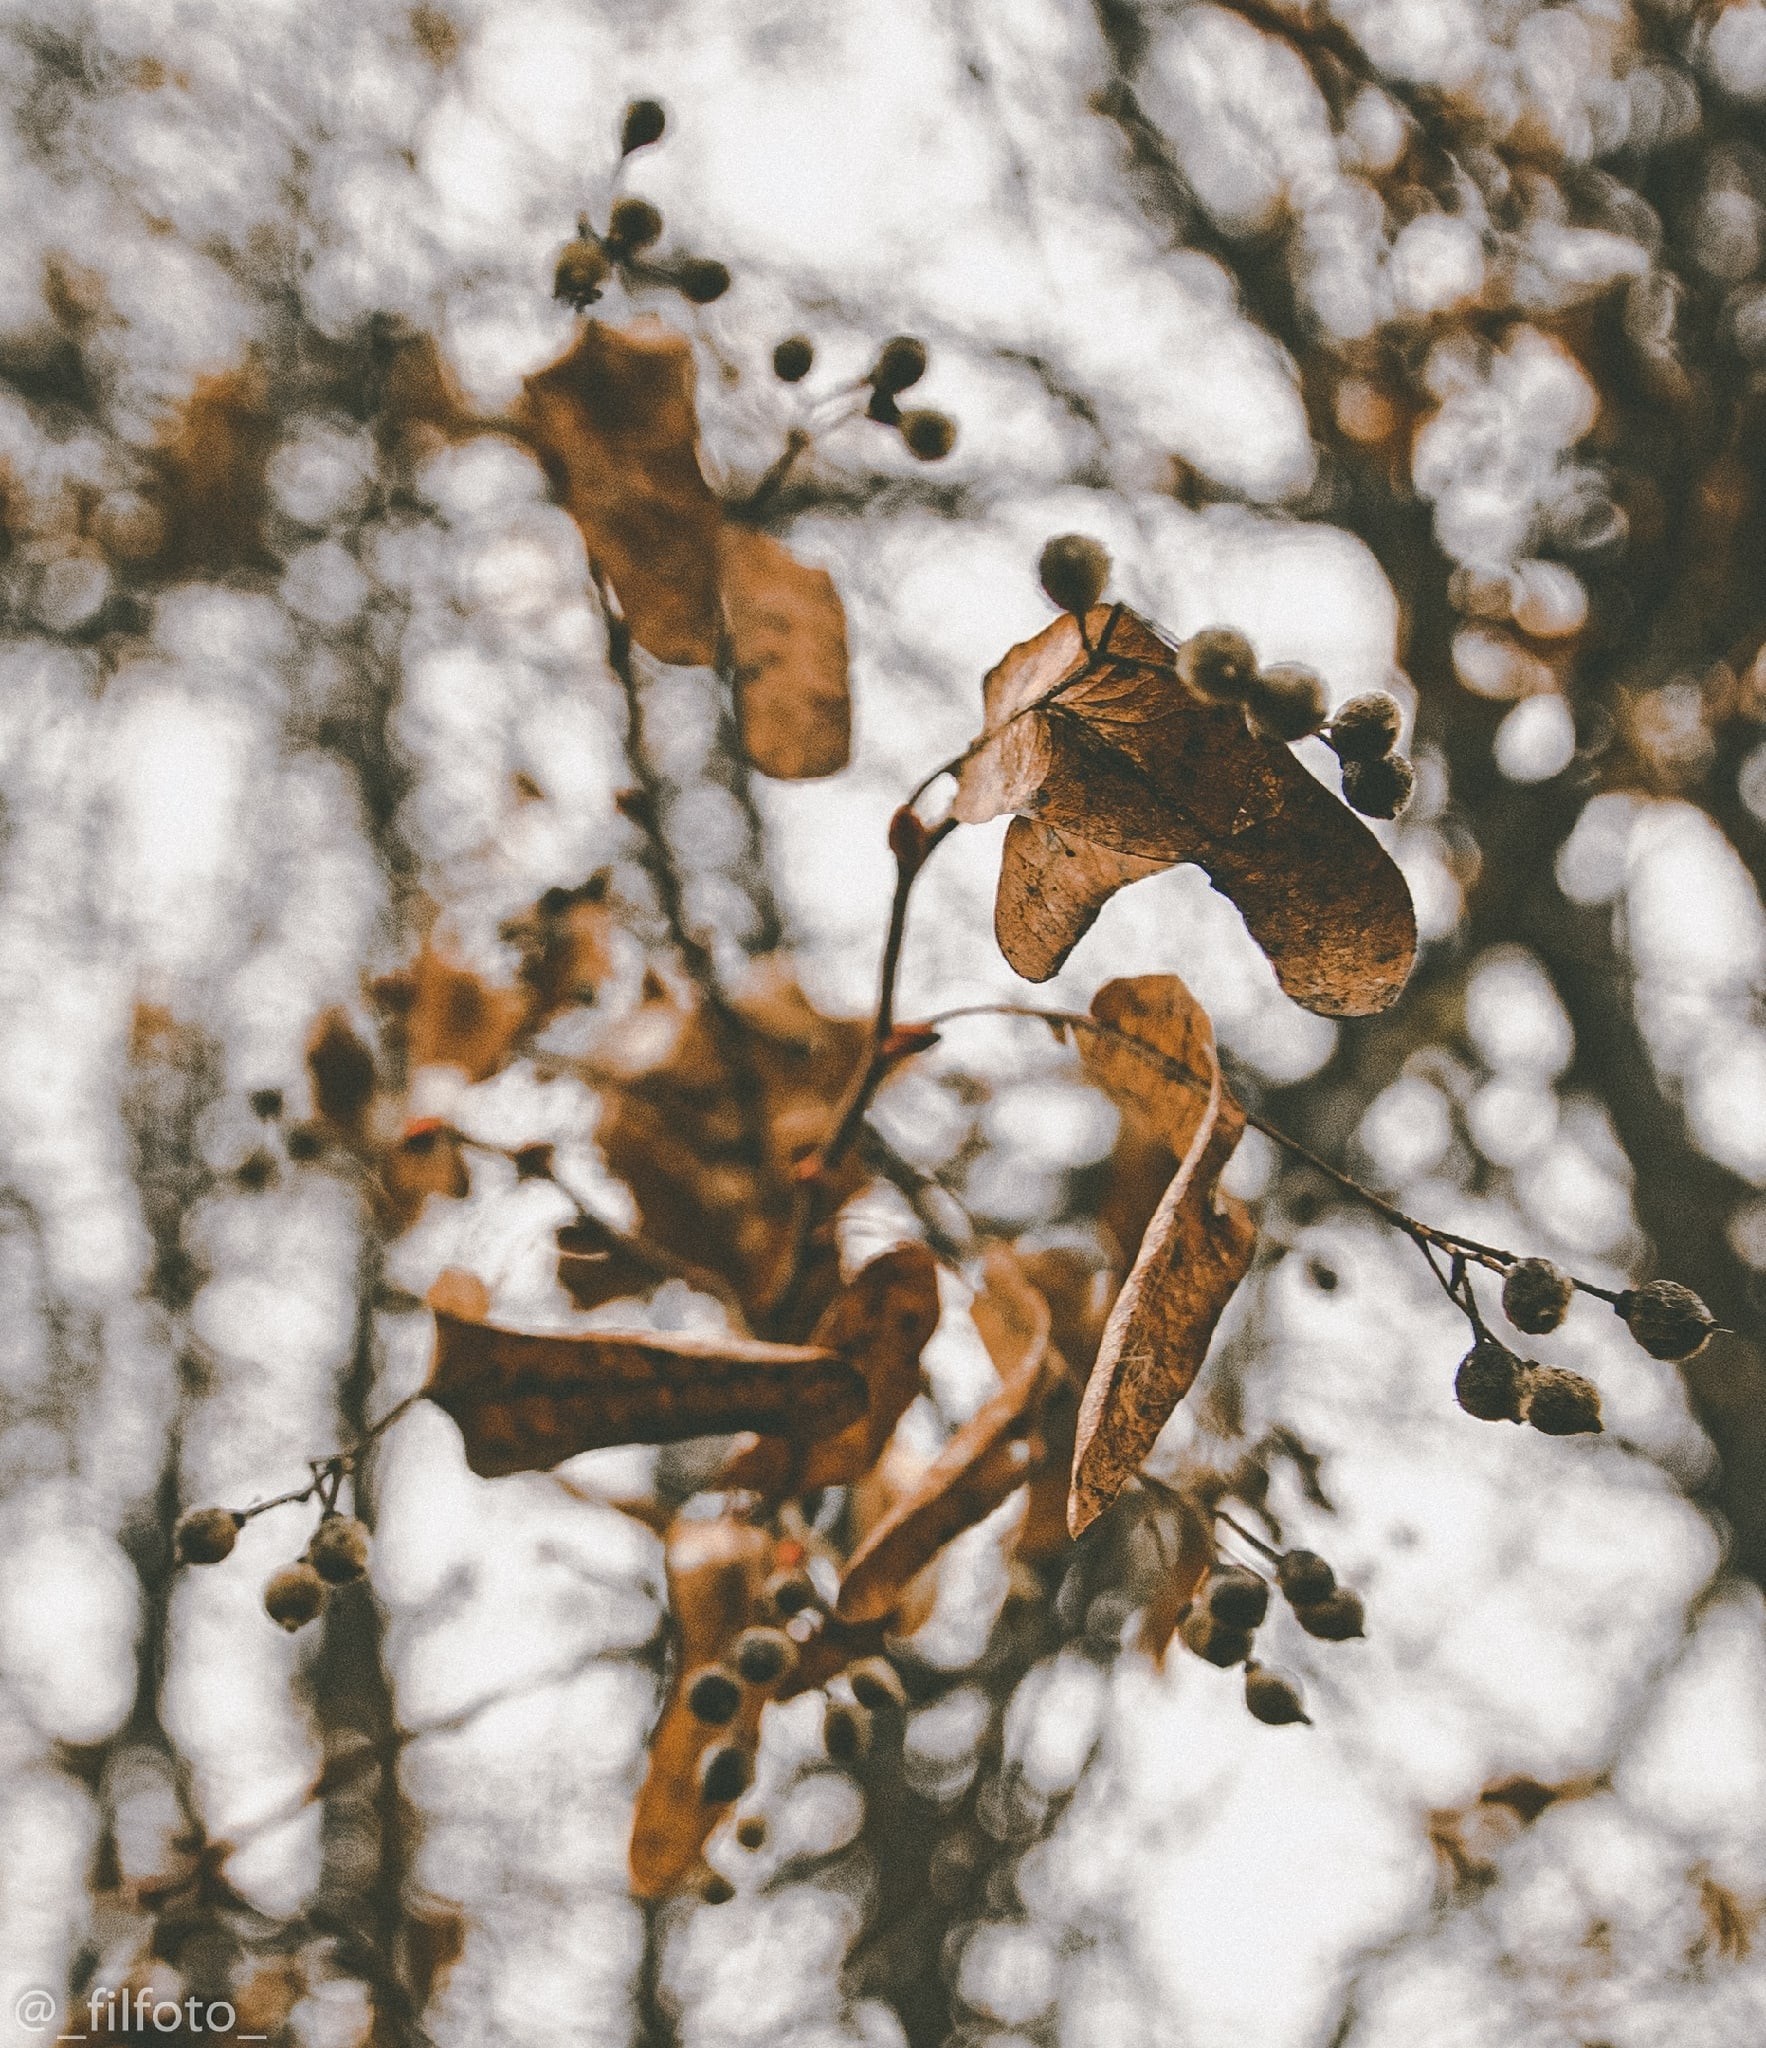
point(787, 642)
point(1187, 1553)
point(880, 1323)
point(1196, 1248)
point(983, 1464)
point(1119, 761)
point(525, 1401)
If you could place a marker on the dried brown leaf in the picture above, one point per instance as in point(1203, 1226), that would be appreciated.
point(1051, 889)
point(787, 634)
point(1186, 1567)
point(212, 490)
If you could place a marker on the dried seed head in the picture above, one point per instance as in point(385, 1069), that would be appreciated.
point(930, 436)
point(1273, 1699)
point(1489, 1382)
point(1218, 665)
point(1287, 701)
point(1536, 1295)
point(339, 1549)
point(725, 1773)
point(794, 358)
point(716, 1890)
point(1562, 1403)
point(883, 409)
point(1074, 569)
point(846, 1731)
point(582, 270)
point(1235, 1597)
point(266, 1103)
point(876, 1685)
point(633, 224)
point(713, 1697)
point(1378, 789)
point(304, 1144)
point(764, 1655)
point(790, 1592)
point(702, 280)
point(294, 1595)
point(1214, 1640)
point(1668, 1320)
point(206, 1535)
point(1334, 1619)
point(751, 1831)
point(643, 124)
point(1304, 1576)
point(900, 362)
point(1366, 728)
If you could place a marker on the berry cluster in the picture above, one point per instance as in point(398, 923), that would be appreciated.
point(1377, 780)
point(336, 1556)
point(633, 225)
point(1232, 1604)
point(901, 363)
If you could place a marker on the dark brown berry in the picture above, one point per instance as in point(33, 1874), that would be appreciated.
point(339, 1549)
point(930, 436)
point(633, 224)
point(1273, 1699)
point(256, 1171)
point(1366, 728)
point(790, 1592)
point(751, 1831)
point(1073, 569)
point(304, 1144)
point(1668, 1320)
point(713, 1697)
point(206, 1535)
point(294, 1595)
point(581, 272)
point(1304, 1577)
point(1562, 1403)
point(725, 1773)
point(702, 280)
point(1286, 701)
point(266, 1102)
point(1378, 789)
point(763, 1655)
point(1536, 1295)
point(1334, 1619)
point(883, 409)
point(1489, 1382)
point(534, 1162)
point(643, 124)
point(1218, 665)
point(876, 1684)
point(794, 358)
point(846, 1731)
point(1213, 1640)
point(1235, 1597)
point(900, 362)
point(716, 1890)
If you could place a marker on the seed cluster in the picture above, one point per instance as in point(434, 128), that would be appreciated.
point(1220, 1624)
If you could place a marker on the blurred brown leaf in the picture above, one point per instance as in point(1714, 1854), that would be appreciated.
point(212, 461)
point(1113, 752)
point(787, 632)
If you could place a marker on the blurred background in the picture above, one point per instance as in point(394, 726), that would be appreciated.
point(1421, 340)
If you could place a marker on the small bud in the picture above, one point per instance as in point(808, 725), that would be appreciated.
point(764, 1655)
point(793, 359)
point(266, 1103)
point(846, 1732)
point(930, 436)
point(1535, 1296)
point(304, 1144)
point(1366, 728)
point(206, 1535)
point(581, 272)
point(725, 1773)
point(1273, 1699)
point(1304, 1577)
point(633, 224)
point(1218, 665)
point(1378, 789)
point(339, 1549)
point(790, 1592)
point(876, 1685)
point(1489, 1382)
point(1213, 1640)
point(1287, 701)
point(751, 1831)
point(1668, 1320)
point(908, 838)
point(1235, 1597)
point(702, 280)
point(1562, 1403)
point(1073, 569)
point(294, 1595)
point(1333, 1620)
point(643, 124)
point(716, 1890)
point(883, 409)
point(713, 1697)
point(900, 362)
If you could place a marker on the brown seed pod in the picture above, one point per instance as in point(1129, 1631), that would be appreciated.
point(846, 1731)
point(1286, 701)
point(716, 1890)
point(713, 1696)
point(1235, 1597)
point(339, 1549)
point(632, 225)
point(1335, 1619)
point(1366, 728)
point(876, 1685)
point(763, 1655)
point(794, 358)
point(725, 1773)
point(790, 1592)
point(1073, 569)
point(582, 270)
point(1668, 1320)
point(900, 362)
point(643, 124)
point(1273, 1699)
point(1218, 664)
point(751, 1831)
point(1213, 1640)
point(930, 436)
point(1304, 1577)
point(1378, 789)
point(294, 1595)
point(1536, 1295)
point(206, 1535)
point(266, 1103)
point(1489, 1382)
point(702, 280)
point(1562, 1403)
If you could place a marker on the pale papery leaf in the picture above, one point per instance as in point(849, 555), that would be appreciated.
point(787, 640)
